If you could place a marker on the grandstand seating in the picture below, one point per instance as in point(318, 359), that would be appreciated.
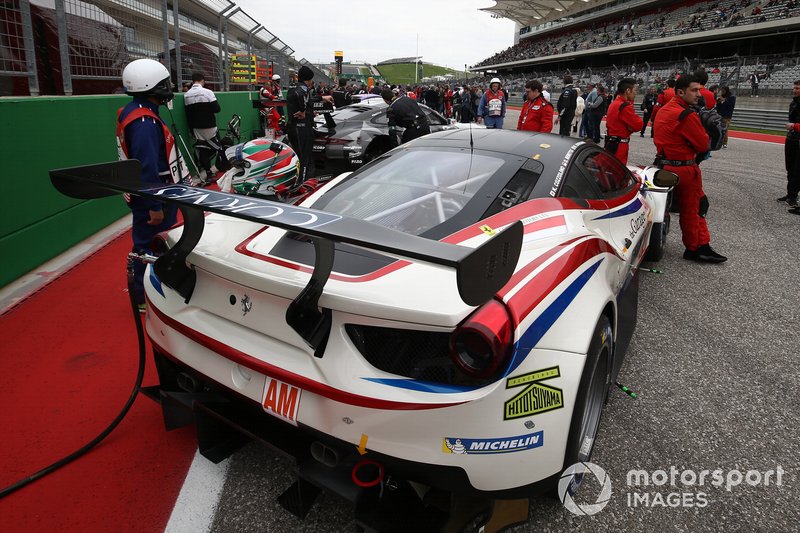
point(679, 19)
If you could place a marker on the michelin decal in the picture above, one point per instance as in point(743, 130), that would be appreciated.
point(461, 446)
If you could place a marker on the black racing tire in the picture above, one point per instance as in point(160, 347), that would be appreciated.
point(658, 241)
point(592, 395)
point(376, 149)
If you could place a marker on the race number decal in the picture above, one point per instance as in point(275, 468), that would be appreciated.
point(281, 400)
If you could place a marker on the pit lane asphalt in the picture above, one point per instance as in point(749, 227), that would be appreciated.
point(713, 360)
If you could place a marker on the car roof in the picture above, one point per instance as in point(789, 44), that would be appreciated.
point(520, 143)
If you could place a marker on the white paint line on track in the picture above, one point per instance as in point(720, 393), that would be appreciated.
point(197, 503)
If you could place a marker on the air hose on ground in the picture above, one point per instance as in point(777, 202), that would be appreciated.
point(99, 438)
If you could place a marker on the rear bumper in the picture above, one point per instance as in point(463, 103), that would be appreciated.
point(226, 421)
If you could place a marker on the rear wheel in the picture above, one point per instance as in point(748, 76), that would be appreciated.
point(658, 241)
point(376, 148)
point(592, 394)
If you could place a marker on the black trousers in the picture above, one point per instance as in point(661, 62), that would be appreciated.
point(301, 137)
point(205, 150)
point(646, 119)
point(791, 151)
point(565, 124)
point(409, 134)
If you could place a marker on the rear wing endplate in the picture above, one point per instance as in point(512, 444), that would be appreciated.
point(480, 272)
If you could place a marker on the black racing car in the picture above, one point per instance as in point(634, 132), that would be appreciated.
point(358, 133)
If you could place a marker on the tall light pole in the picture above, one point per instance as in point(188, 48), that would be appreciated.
point(416, 63)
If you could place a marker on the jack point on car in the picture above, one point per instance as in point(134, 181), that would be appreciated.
point(625, 389)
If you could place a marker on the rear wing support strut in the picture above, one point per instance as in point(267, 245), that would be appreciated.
point(480, 272)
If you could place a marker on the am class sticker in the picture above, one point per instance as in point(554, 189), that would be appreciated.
point(535, 398)
point(281, 400)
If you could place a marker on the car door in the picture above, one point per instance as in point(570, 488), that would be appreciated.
point(627, 215)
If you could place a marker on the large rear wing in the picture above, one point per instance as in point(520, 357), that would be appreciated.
point(480, 272)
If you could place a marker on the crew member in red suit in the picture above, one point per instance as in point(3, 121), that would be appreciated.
point(268, 94)
point(664, 97)
point(679, 138)
point(448, 101)
point(537, 113)
point(622, 120)
point(707, 97)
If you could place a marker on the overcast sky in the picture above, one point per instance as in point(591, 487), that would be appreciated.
point(451, 32)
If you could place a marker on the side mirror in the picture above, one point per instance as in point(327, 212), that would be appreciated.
point(665, 179)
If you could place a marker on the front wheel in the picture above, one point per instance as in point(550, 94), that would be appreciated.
point(592, 394)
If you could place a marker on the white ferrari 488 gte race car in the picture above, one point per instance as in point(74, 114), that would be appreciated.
point(448, 319)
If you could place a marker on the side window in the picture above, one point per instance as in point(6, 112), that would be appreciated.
point(381, 119)
point(434, 119)
point(577, 185)
point(608, 173)
point(518, 189)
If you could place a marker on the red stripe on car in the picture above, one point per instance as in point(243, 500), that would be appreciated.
point(262, 367)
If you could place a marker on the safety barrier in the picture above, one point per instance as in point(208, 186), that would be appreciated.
point(764, 119)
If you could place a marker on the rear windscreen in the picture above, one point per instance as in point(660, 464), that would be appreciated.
point(414, 191)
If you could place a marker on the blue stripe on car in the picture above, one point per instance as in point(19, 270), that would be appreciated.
point(522, 348)
point(156, 282)
point(545, 321)
point(627, 210)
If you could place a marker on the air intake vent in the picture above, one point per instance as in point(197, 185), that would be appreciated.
point(421, 355)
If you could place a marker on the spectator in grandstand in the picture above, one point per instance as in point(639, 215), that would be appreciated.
point(536, 113)
point(725, 104)
point(709, 100)
point(201, 109)
point(142, 135)
point(791, 150)
point(580, 105)
point(566, 105)
point(596, 110)
point(622, 120)
point(754, 81)
point(679, 139)
point(492, 106)
point(647, 106)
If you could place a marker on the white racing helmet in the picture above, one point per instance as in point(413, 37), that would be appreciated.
point(275, 77)
point(259, 167)
point(147, 77)
point(495, 80)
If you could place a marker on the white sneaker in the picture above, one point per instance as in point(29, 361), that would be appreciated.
point(214, 169)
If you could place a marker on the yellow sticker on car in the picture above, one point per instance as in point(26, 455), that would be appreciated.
point(536, 397)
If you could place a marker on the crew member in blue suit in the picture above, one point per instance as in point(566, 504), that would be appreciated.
point(143, 135)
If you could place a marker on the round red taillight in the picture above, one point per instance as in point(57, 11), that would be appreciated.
point(481, 344)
